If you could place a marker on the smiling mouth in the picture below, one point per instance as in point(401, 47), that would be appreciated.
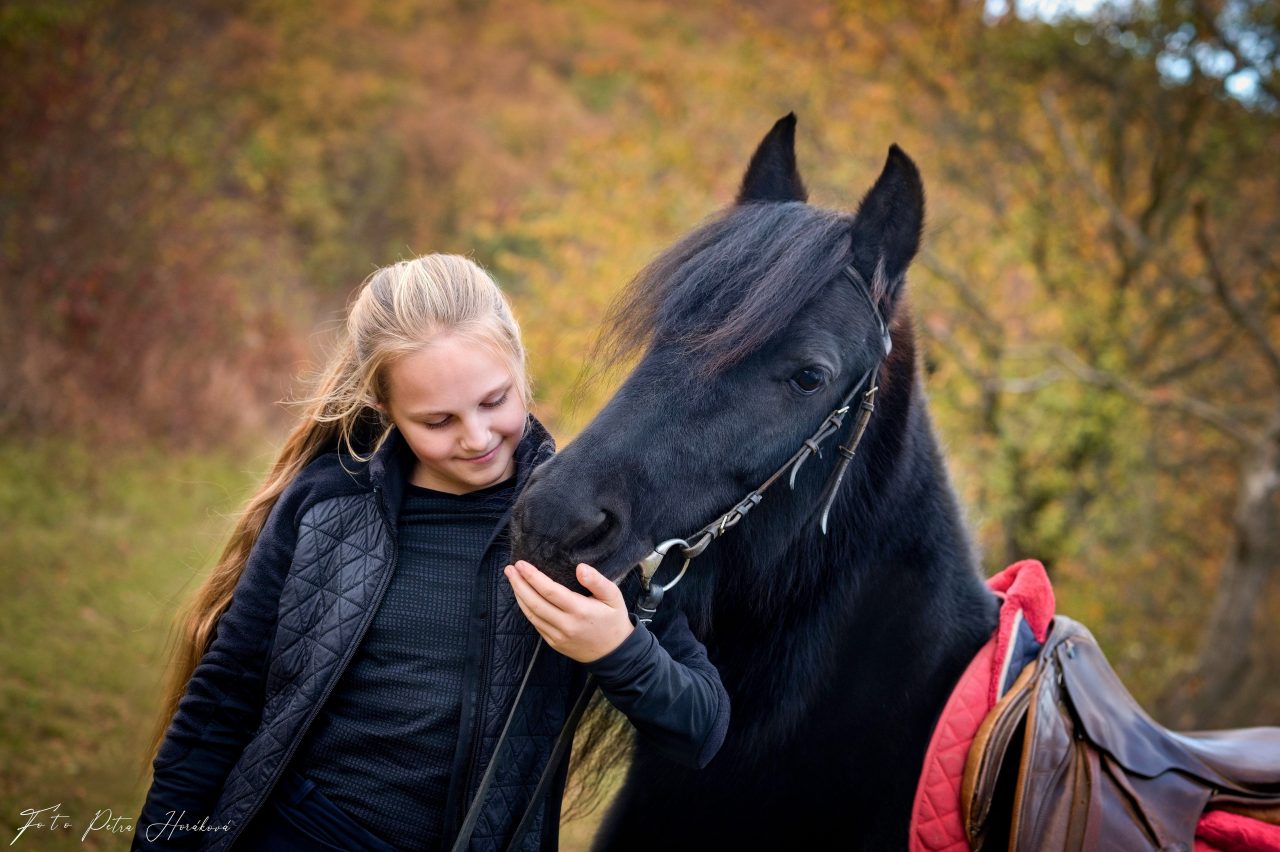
point(487, 457)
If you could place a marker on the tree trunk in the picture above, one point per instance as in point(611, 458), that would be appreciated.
point(1214, 693)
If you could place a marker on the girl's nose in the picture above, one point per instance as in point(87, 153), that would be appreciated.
point(475, 436)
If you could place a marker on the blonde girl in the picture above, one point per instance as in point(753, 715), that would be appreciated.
point(341, 677)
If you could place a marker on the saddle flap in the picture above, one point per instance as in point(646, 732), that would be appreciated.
point(1249, 757)
point(1246, 761)
point(1067, 760)
point(1055, 796)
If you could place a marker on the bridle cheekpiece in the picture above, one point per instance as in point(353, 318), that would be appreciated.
point(693, 547)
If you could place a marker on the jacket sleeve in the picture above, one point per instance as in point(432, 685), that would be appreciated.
point(669, 690)
point(222, 705)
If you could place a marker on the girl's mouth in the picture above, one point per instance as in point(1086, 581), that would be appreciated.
point(487, 457)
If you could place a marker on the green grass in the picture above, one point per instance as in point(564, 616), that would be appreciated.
point(96, 553)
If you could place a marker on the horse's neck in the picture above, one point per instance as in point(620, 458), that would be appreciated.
point(898, 610)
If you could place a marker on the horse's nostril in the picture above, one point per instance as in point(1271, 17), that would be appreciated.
point(597, 535)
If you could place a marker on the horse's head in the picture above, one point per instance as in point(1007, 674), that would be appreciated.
point(751, 333)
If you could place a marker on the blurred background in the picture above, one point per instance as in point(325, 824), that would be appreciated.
point(189, 192)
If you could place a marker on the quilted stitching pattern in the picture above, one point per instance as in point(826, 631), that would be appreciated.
point(342, 555)
point(936, 820)
point(538, 720)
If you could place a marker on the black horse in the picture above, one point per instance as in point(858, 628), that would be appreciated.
point(838, 649)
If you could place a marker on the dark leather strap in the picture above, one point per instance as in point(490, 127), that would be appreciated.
point(1069, 761)
point(473, 813)
point(558, 751)
point(557, 754)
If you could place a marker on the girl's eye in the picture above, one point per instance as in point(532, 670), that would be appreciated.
point(808, 380)
point(440, 424)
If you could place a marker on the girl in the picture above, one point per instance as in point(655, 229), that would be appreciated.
point(347, 667)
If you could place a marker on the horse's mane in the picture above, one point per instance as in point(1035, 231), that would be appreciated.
point(730, 285)
point(718, 294)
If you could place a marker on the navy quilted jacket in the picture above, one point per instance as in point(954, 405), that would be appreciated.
point(310, 589)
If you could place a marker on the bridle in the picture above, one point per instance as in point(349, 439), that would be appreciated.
point(651, 593)
point(693, 547)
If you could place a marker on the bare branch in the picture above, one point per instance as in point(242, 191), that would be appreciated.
point(1160, 399)
point(1254, 329)
point(960, 357)
point(1029, 384)
point(1229, 45)
point(1195, 361)
point(960, 283)
point(1119, 219)
point(1259, 255)
point(988, 381)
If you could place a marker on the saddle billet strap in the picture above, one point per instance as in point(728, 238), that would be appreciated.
point(998, 732)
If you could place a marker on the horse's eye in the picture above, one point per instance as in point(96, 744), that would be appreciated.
point(808, 380)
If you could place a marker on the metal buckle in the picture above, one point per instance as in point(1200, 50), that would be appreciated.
point(649, 565)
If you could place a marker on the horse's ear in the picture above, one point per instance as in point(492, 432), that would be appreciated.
point(887, 228)
point(772, 175)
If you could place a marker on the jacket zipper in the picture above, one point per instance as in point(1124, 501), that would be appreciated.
point(477, 732)
point(333, 681)
point(483, 682)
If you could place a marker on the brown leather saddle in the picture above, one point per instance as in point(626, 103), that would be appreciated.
point(1068, 760)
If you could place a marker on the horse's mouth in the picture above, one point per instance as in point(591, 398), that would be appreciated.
point(601, 550)
point(606, 544)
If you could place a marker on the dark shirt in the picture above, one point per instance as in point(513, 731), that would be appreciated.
point(382, 747)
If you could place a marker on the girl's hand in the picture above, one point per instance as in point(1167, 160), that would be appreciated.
point(582, 628)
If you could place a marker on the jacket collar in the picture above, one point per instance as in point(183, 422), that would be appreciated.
point(392, 465)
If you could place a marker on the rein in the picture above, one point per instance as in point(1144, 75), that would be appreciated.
point(651, 593)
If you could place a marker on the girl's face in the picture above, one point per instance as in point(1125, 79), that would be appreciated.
point(458, 407)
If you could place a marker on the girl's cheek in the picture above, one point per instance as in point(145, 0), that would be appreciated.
point(515, 425)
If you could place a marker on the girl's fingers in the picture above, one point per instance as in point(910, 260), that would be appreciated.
point(600, 586)
point(545, 630)
point(536, 608)
point(556, 594)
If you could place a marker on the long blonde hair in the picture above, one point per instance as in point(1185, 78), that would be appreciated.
point(398, 309)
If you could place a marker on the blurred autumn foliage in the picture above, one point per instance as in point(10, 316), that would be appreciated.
point(191, 190)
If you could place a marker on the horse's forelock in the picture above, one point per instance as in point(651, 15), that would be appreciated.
point(729, 286)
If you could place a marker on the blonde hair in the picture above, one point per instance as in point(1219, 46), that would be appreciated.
point(398, 310)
